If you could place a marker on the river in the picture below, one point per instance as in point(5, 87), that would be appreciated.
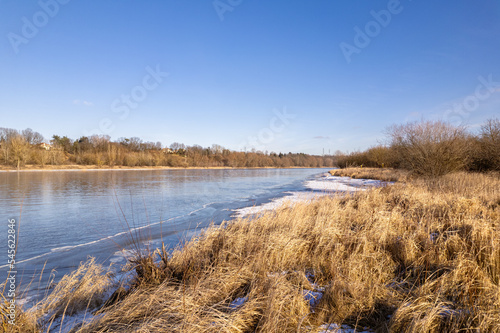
point(65, 216)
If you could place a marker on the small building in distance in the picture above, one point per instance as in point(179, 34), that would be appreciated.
point(45, 146)
point(167, 151)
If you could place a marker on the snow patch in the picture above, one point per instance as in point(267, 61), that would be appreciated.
point(342, 184)
point(290, 200)
point(313, 297)
point(238, 303)
point(335, 328)
point(322, 186)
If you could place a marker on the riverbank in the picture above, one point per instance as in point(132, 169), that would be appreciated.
point(77, 167)
point(423, 255)
point(383, 174)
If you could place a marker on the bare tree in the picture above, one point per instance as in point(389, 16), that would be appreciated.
point(32, 137)
point(216, 149)
point(19, 150)
point(100, 142)
point(6, 134)
point(177, 146)
point(134, 143)
point(489, 145)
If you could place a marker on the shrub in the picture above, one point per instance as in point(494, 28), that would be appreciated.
point(375, 157)
point(430, 147)
point(485, 150)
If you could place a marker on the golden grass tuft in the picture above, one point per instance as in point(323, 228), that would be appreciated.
point(25, 322)
point(82, 290)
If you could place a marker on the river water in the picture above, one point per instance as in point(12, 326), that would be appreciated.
point(65, 216)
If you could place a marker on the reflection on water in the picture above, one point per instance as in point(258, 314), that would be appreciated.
point(57, 210)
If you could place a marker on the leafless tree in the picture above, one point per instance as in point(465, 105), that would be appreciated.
point(19, 150)
point(32, 137)
point(177, 145)
point(488, 148)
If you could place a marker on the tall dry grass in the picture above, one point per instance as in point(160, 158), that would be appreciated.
point(83, 290)
point(423, 256)
point(384, 174)
point(419, 256)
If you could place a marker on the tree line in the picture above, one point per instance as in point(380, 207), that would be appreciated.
point(433, 148)
point(27, 147)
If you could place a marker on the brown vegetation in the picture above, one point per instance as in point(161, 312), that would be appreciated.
point(419, 256)
point(433, 148)
point(20, 149)
point(384, 174)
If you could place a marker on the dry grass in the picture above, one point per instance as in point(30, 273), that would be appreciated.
point(25, 321)
point(384, 174)
point(81, 291)
point(419, 256)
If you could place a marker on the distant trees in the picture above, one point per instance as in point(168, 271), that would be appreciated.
point(32, 137)
point(19, 148)
point(100, 143)
point(63, 143)
point(16, 146)
point(177, 146)
point(134, 144)
point(427, 147)
point(83, 144)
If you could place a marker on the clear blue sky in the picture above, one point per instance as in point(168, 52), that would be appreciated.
point(67, 68)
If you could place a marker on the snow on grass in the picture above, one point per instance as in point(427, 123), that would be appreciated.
point(341, 184)
point(324, 185)
point(238, 303)
point(313, 297)
point(335, 328)
point(122, 255)
point(291, 199)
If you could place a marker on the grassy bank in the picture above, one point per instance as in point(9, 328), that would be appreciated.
point(418, 256)
point(384, 174)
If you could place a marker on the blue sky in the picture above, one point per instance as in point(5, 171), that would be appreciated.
point(294, 76)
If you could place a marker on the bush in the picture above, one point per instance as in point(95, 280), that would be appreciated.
point(375, 157)
point(485, 150)
point(430, 148)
